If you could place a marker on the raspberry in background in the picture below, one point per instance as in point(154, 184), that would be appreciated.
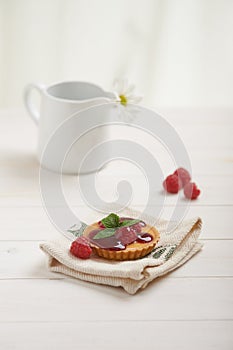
point(191, 191)
point(183, 175)
point(81, 248)
point(172, 184)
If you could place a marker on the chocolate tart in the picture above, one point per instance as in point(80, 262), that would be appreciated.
point(111, 248)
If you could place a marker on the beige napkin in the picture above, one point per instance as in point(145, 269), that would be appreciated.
point(172, 251)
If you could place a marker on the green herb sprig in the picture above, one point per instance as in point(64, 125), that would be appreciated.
point(111, 224)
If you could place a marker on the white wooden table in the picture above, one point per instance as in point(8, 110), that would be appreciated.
point(191, 308)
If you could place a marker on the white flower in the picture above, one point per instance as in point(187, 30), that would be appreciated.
point(124, 92)
point(126, 100)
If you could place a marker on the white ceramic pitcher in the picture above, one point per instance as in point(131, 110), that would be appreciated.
point(58, 102)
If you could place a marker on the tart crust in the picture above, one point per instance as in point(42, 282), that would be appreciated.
point(133, 251)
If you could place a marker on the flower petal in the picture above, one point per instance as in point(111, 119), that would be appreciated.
point(134, 98)
point(116, 96)
point(130, 88)
point(125, 85)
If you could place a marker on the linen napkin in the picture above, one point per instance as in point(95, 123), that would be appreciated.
point(173, 250)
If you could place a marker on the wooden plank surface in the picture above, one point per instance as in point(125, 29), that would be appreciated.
point(190, 308)
point(73, 300)
point(137, 335)
point(215, 260)
point(216, 190)
point(32, 223)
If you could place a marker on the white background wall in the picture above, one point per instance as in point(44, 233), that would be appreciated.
point(177, 52)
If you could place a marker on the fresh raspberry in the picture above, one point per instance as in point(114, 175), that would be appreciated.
point(126, 235)
point(81, 248)
point(137, 227)
point(172, 184)
point(101, 225)
point(183, 175)
point(191, 191)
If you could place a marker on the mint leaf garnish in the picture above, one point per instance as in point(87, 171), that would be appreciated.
point(112, 220)
point(129, 222)
point(108, 232)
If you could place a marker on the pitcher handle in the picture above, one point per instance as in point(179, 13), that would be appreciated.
point(32, 110)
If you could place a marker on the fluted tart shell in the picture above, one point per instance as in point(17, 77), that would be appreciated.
point(132, 251)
